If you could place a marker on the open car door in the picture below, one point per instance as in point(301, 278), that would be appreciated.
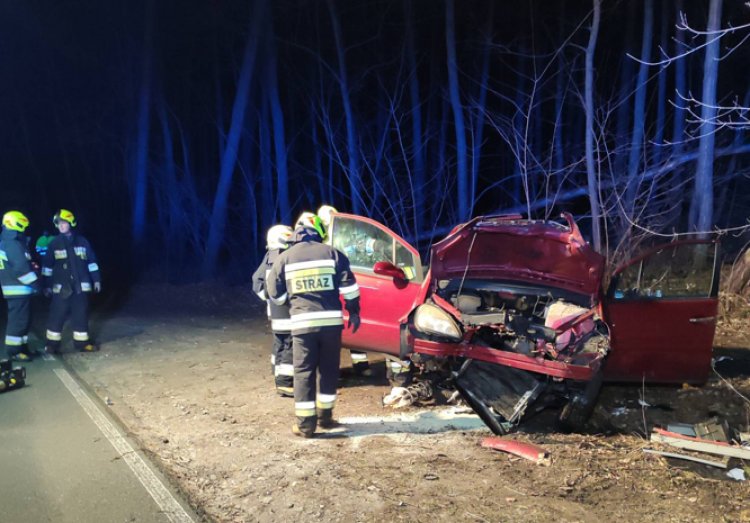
point(661, 308)
point(389, 274)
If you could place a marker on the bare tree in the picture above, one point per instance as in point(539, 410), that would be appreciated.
point(704, 194)
point(217, 222)
point(592, 174)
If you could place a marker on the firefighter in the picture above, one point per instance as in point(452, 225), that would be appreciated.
point(70, 272)
point(311, 275)
point(277, 240)
point(19, 282)
point(360, 365)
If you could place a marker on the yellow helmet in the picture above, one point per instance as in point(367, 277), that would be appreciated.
point(64, 215)
point(325, 212)
point(15, 220)
point(278, 237)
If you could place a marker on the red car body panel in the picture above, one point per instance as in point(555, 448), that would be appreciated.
point(385, 302)
point(556, 369)
point(385, 305)
point(665, 341)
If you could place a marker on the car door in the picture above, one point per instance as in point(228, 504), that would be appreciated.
point(384, 300)
point(661, 308)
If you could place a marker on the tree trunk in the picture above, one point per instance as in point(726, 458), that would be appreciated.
point(458, 114)
point(279, 139)
point(353, 163)
point(704, 175)
point(635, 155)
point(591, 165)
point(143, 128)
point(217, 222)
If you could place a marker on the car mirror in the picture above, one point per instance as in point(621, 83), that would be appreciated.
point(385, 268)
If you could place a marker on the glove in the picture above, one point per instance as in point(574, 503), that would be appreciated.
point(47, 292)
point(97, 287)
point(354, 322)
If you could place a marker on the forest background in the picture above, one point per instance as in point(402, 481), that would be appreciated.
point(180, 131)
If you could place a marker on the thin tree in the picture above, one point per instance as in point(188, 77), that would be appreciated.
point(217, 223)
point(591, 166)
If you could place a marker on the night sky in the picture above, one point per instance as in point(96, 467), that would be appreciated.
point(95, 94)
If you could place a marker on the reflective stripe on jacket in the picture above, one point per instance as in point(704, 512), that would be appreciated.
point(17, 278)
point(312, 276)
point(70, 263)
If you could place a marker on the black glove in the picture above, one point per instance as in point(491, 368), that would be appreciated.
point(354, 322)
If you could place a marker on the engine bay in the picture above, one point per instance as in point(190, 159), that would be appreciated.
point(528, 320)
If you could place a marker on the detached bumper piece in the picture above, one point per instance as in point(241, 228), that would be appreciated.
point(500, 395)
point(11, 377)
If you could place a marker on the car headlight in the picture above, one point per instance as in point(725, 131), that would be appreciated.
point(431, 319)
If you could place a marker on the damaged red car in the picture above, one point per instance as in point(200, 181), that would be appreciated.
point(516, 313)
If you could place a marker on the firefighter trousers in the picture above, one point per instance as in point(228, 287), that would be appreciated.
point(77, 305)
point(283, 362)
point(17, 331)
point(316, 359)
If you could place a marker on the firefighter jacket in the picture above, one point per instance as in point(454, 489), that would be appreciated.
point(17, 277)
point(70, 267)
point(311, 276)
point(278, 314)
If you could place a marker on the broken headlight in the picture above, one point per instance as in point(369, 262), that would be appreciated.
point(431, 319)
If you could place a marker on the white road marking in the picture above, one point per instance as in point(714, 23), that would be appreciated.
point(167, 503)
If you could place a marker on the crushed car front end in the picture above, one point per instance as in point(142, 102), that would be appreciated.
point(513, 306)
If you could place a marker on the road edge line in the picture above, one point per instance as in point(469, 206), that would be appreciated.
point(153, 485)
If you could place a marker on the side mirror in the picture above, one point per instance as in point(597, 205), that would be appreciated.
point(385, 268)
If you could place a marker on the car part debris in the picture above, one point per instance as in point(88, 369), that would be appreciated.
point(737, 474)
point(500, 395)
point(521, 449)
point(722, 464)
point(702, 445)
point(11, 377)
point(400, 397)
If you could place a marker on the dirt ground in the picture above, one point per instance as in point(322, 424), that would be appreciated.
point(187, 371)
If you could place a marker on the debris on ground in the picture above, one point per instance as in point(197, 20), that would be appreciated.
point(521, 449)
point(709, 446)
point(400, 397)
point(736, 474)
point(721, 463)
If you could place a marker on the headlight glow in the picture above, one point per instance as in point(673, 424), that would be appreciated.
point(431, 319)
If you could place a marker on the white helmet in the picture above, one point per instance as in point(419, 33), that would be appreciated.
point(324, 213)
point(278, 237)
point(306, 219)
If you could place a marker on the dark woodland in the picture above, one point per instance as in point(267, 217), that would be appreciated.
point(180, 131)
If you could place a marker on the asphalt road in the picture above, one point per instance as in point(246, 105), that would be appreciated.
point(63, 459)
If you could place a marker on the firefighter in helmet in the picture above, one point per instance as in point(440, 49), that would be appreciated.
point(19, 282)
point(277, 241)
point(311, 276)
point(70, 273)
point(360, 365)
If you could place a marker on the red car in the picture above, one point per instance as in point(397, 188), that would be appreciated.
point(517, 313)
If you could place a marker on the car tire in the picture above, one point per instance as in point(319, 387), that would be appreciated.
point(577, 411)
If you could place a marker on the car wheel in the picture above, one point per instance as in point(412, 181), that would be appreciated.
point(577, 411)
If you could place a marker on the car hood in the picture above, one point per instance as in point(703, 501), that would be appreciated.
point(509, 248)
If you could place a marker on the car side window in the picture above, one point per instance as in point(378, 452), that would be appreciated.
point(405, 261)
point(679, 271)
point(363, 243)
